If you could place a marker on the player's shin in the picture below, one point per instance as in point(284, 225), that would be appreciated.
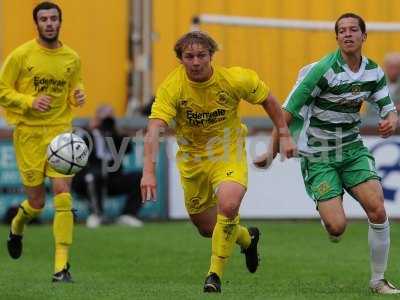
point(25, 213)
point(223, 240)
point(62, 229)
point(379, 244)
point(243, 237)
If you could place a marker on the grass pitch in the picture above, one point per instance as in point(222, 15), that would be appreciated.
point(170, 260)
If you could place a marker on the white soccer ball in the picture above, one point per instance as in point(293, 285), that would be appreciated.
point(67, 153)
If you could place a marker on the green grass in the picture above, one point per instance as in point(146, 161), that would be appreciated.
point(169, 261)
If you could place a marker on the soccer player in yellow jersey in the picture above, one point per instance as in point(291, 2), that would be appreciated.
point(39, 82)
point(202, 99)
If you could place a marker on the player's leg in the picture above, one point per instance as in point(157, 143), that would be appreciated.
point(370, 196)
point(361, 178)
point(201, 205)
point(31, 157)
point(333, 217)
point(324, 185)
point(27, 210)
point(229, 179)
point(199, 182)
point(62, 227)
point(205, 223)
point(229, 195)
point(63, 221)
point(227, 232)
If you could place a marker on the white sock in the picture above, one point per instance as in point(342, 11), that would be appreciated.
point(379, 244)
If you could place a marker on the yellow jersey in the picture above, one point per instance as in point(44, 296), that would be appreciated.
point(206, 113)
point(32, 70)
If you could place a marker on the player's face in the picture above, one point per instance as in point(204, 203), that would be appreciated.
point(350, 37)
point(48, 24)
point(197, 61)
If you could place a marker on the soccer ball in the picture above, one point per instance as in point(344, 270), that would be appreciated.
point(67, 153)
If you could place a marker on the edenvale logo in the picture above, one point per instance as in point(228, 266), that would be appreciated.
point(205, 118)
point(48, 84)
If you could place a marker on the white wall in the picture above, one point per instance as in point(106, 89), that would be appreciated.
point(279, 191)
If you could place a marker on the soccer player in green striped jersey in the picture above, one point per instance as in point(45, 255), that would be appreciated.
point(323, 112)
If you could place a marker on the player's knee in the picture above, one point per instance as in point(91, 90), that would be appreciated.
point(335, 228)
point(61, 190)
point(228, 209)
point(61, 187)
point(37, 203)
point(377, 215)
point(36, 200)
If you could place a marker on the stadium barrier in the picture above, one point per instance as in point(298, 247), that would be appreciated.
point(278, 192)
point(11, 191)
point(274, 193)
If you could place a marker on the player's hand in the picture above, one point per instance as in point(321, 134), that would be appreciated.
point(287, 147)
point(148, 187)
point(265, 160)
point(80, 97)
point(41, 103)
point(388, 126)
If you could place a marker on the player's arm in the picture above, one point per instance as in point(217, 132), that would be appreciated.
point(265, 160)
point(282, 140)
point(255, 91)
point(10, 98)
point(77, 95)
point(387, 110)
point(281, 137)
point(388, 125)
point(148, 184)
point(13, 100)
point(163, 111)
point(308, 86)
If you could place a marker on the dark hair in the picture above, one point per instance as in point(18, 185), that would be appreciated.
point(46, 5)
point(195, 37)
point(361, 22)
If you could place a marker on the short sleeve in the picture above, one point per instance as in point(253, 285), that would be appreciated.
point(164, 106)
point(252, 88)
point(380, 95)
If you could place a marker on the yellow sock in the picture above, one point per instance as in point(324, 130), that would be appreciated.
point(223, 240)
point(24, 215)
point(61, 257)
point(243, 237)
point(63, 224)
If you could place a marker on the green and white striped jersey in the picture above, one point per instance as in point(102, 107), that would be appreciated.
point(326, 100)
